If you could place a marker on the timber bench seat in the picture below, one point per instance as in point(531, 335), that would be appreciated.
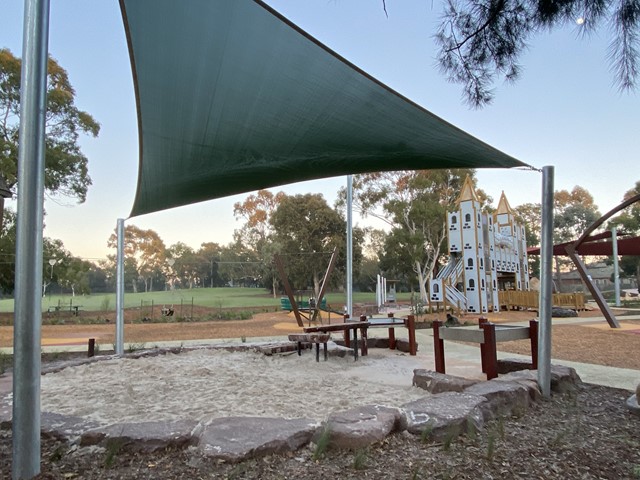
point(487, 335)
point(312, 338)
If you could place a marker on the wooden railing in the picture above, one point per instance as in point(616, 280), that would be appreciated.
point(512, 299)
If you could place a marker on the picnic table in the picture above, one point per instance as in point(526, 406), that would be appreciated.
point(74, 309)
point(391, 323)
point(347, 328)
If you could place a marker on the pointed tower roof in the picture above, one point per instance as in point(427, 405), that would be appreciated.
point(468, 192)
point(503, 205)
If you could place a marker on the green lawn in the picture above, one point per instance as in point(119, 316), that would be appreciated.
point(207, 297)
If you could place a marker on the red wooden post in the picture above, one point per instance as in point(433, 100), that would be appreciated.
point(481, 322)
point(533, 336)
point(347, 335)
point(438, 347)
point(411, 326)
point(363, 335)
point(490, 359)
point(392, 334)
point(92, 347)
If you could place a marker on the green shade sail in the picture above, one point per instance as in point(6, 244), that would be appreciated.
point(232, 97)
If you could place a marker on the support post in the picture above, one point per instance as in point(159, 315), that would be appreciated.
point(392, 334)
point(364, 337)
point(616, 268)
point(411, 326)
point(120, 288)
point(438, 347)
point(490, 356)
point(482, 321)
point(28, 277)
point(533, 336)
point(349, 244)
point(546, 257)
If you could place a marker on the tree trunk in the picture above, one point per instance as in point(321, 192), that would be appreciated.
point(422, 282)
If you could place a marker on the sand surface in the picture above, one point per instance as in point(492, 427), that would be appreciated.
point(206, 384)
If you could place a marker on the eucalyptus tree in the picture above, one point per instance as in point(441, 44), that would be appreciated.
point(66, 167)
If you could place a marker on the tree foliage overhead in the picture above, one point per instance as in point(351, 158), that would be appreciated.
point(481, 41)
point(66, 167)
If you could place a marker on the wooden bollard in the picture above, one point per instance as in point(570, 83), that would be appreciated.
point(411, 326)
point(438, 347)
point(92, 347)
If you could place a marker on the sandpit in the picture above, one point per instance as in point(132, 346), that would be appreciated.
point(205, 384)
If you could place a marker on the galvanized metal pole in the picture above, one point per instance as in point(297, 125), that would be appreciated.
point(616, 267)
point(349, 245)
point(28, 279)
point(546, 293)
point(120, 289)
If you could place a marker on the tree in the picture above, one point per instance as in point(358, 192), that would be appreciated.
point(256, 210)
point(482, 40)
point(573, 212)
point(186, 264)
point(209, 254)
point(530, 214)
point(146, 250)
point(414, 205)
point(308, 230)
point(66, 171)
point(629, 222)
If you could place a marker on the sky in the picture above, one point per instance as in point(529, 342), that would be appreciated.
point(565, 111)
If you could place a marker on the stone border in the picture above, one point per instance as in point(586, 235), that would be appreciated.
point(460, 407)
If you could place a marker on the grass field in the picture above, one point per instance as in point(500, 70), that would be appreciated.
point(206, 297)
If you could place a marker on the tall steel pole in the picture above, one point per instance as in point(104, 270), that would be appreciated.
point(349, 245)
point(28, 279)
point(120, 288)
point(546, 293)
point(616, 267)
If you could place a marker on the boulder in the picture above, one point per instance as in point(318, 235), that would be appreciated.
point(504, 398)
point(359, 427)
point(508, 365)
point(563, 379)
point(403, 345)
point(64, 427)
point(435, 382)
point(143, 437)
point(234, 439)
point(444, 415)
point(632, 404)
point(559, 312)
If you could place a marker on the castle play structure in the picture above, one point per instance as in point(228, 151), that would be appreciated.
point(487, 254)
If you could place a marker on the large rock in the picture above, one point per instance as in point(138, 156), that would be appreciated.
point(234, 439)
point(559, 312)
point(508, 365)
point(143, 437)
point(64, 427)
point(435, 382)
point(504, 398)
point(563, 379)
point(359, 427)
point(444, 415)
point(403, 345)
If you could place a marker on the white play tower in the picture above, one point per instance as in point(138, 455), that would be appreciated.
point(487, 253)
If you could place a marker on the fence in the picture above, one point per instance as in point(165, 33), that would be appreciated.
point(512, 299)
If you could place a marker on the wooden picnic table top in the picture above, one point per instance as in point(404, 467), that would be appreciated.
point(336, 327)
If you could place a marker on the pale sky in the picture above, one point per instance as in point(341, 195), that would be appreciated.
point(564, 111)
